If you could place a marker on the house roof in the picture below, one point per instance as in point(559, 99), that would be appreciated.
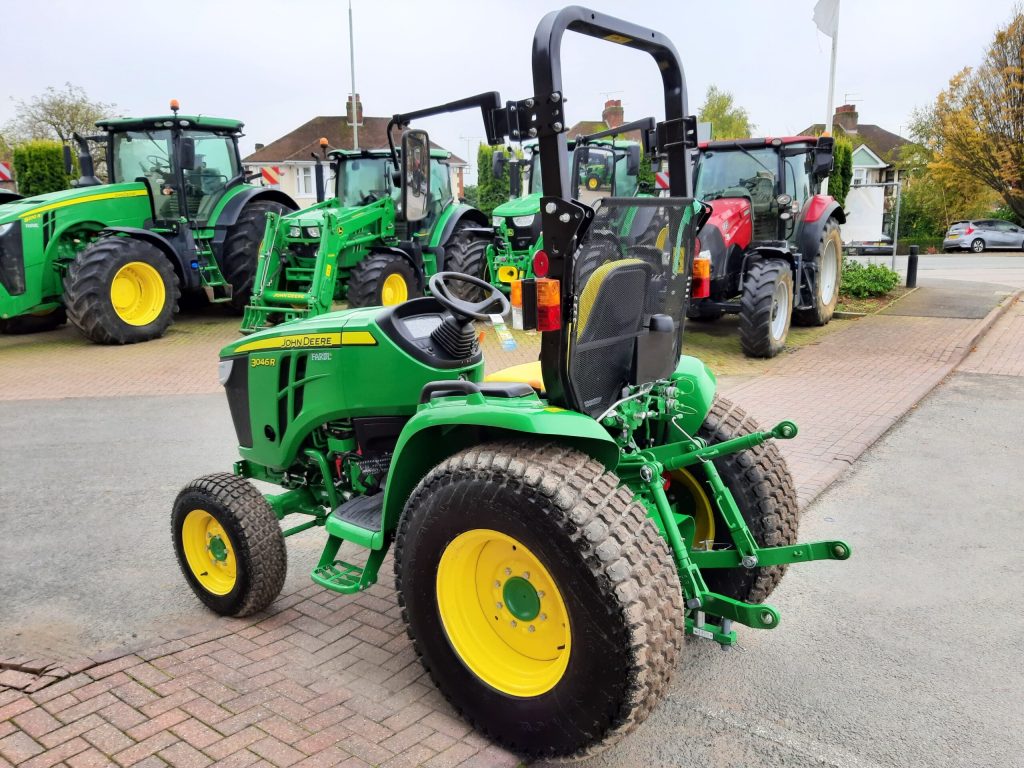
point(300, 144)
point(885, 144)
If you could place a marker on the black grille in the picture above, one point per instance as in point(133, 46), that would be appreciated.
point(523, 238)
point(12, 260)
point(635, 262)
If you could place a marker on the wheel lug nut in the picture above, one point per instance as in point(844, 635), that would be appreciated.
point(508, 571)
point(514, 623)
point(540, 594)
point(543, 617)
point(526, 575)
point(500, 606)
point(497, 584)
point(532, 628)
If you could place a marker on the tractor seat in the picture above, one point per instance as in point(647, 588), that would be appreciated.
point(524, 373)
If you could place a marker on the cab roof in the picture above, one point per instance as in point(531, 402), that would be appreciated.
point(767, 141)
point(353, 154)
point(194, 122)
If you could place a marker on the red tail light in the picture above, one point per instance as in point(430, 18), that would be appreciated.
point(701, 282)
point(549, 306)
point(969, 230)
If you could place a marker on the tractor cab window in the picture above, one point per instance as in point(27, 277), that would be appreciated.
point(146, 156)
point(596, 173)
point(440, 189)
point(742, 173)
point(216, 164)
point(535, 183)
point(798, 177)
point(364, 180)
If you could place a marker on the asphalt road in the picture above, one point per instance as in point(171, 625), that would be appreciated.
point(908, 654)
point(1005, 267)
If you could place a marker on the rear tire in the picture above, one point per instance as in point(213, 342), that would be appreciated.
point(255, 561)
point(120, 290)
point(828, 261)
point(467, 254)
point(610, 592)
point(23, 324)
point(241, 250)
point(978, 245)
point(765, 307)
point(759, 480)
point(382, 279)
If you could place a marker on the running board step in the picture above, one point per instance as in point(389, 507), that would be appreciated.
point(359, 520)
point(341, 576)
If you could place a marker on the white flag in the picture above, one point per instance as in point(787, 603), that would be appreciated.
point(826, 16)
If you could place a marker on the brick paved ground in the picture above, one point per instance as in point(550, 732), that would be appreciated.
point(1001, 351)
point(332, 680)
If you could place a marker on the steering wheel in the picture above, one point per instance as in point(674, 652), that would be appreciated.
point(475, 310)
point(159, 163)
point(369, 198)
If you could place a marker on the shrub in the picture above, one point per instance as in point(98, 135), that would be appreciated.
point(861, 281)
point(39, 167)
point(842, 170)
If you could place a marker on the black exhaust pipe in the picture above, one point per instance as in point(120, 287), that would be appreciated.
point(85, 164)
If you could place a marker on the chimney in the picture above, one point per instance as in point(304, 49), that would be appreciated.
point(846, 118)
point(612, 114)
point(359, 110)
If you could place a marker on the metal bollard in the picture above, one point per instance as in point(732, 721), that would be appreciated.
point(912, 267)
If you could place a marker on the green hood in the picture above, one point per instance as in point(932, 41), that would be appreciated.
point(30, 206)
point(520, 206)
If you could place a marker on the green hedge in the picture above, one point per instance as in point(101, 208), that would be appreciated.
point(842, 170)
point(39, 167)
point(923, 243)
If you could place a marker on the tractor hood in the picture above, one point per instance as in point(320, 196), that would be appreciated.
point(315, 215)
point(729, 225)
point(29, 207)
point(520, 206)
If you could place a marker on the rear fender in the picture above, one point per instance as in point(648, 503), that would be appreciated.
point(695, 391)
point(448, 425)
point(410, 258)
point(450, 219)
point(813, 219)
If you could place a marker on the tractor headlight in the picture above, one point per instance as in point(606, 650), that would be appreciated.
point(224, 371)
point(313, 232)
point(497, 221)
point(524, 221)
point(295, 232)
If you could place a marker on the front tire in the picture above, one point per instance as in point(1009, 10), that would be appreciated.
point(828, 263)
point(229, 545)
point(766, 308)
point(759, 480)
point(381, 280)
point(241, 249)
point(543, 537)
point(120, 290)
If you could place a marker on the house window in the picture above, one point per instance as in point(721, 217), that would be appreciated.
point(859, 176)
point(305, 182)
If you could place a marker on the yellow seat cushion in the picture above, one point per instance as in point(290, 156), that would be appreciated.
point(525, 373)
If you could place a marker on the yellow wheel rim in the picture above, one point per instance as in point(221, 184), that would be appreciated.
point(502, 613)
point(394, 291)
point(209, 552)
point(699, 507)
point(137, 293)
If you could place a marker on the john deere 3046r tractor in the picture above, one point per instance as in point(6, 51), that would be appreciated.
point(552, 548)
point(177, 216)
point(360, 245)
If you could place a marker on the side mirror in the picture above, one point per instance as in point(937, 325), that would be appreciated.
point(415, 175)
point(69, 167)
point(187, 153)
point(632, 160)
point(823, 157)
point(498, 163)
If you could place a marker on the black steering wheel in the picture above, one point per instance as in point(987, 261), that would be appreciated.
point(476, 310)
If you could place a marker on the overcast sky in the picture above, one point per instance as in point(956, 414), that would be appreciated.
point(275, 64)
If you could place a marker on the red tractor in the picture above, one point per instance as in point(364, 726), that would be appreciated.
point(771, 251)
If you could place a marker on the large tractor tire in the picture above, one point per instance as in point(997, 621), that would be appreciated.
point(120, 290)
point(467, 254)
point(229, 544)
point(766, 307)
point(759, 481)
point(34, 323)
point(241, 247)
point(382, 279)
point(828, 263)
point(539, 596)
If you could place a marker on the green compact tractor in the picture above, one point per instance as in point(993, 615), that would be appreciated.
point(177, 217)
point(553, 544)
point(361, 246)
point(517, 222)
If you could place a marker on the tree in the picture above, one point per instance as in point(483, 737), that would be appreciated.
point(842, 170)
point(976, 127)
point(56, 114)
point(39, 167)
point(728, 121)
point(491, 191)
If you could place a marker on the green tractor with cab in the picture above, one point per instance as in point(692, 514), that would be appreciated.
point(361, 245)
point(177, 217)
point(555, 542)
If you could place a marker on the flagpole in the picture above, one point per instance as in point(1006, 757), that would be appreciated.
point(831, 88)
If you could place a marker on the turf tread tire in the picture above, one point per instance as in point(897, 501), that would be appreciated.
point(756, 307)
point(87, 290)
point(617, 544)
point(366, 280)
point(240, 253)
point(821, 312)
point(759, 480)
point(260, 552)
